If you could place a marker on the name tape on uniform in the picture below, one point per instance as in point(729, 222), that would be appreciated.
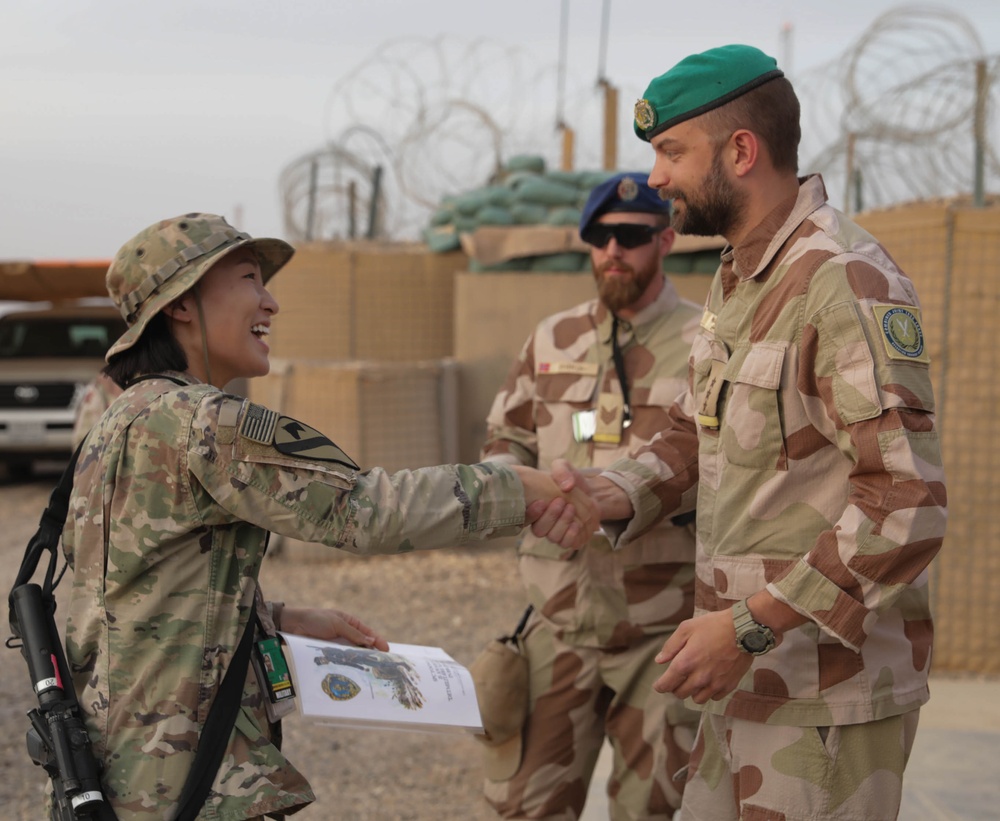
point(574, 368)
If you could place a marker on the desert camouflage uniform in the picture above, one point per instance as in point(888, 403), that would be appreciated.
point(600, 615)
point(97, 397)
point(173, 493)
point(823, 481)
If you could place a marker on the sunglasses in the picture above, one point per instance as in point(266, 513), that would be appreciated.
point(626, 234)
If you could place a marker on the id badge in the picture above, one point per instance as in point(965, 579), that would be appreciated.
point(274, 678)
point(584, 424)
point(610, 419)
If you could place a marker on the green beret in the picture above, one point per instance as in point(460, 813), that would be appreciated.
point(700, 83)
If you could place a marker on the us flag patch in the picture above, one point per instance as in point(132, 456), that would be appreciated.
point(258, 424)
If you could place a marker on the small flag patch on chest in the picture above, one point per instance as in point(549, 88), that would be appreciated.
point(258, 424)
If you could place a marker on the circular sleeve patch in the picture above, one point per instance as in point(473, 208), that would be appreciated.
point(902, 333)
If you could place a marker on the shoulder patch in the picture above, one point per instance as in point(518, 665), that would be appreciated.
point(901, 332)
point(258, 424)
point(293, 438)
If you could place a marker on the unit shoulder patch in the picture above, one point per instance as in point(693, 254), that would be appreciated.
point(901, 332)
point(293, 438)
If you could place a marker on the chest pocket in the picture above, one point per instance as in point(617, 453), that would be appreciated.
point(752, 427)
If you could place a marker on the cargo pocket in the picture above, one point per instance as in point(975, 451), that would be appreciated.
point(751, 430)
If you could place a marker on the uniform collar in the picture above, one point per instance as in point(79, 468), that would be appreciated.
point(763, 242)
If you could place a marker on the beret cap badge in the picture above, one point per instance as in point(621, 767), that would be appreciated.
point(645, 114)
point(627, 189)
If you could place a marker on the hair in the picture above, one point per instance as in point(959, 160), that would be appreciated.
point(771, 111)
point(156, 350)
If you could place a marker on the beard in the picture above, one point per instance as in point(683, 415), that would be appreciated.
point(623, 288)
point(715, 210)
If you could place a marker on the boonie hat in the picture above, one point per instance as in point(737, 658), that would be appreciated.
point(166, 259)
point(623, 192)
point(699, 83)
point(500, 674)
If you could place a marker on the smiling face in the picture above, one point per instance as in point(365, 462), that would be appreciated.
point(629, 279)
point(237, 311)
point(689, 169)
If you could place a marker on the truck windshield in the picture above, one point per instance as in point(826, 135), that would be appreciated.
point(74, 338)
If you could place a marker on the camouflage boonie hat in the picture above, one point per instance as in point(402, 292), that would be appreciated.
point(166, 259)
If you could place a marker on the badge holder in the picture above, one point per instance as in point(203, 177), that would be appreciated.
point(584, 425)
point(274, 678)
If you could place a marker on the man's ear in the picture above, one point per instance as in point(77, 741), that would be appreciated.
point(744, 147)
point(667, 237)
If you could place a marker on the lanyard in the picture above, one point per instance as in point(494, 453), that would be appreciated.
point(619, 359)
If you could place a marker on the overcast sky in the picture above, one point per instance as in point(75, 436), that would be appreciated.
point(116, 113)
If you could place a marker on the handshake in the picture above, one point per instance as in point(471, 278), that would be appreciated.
point(567, 505)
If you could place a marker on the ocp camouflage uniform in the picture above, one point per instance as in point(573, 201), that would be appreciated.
point(172, 496)
point(600, 615)
point(818, 477)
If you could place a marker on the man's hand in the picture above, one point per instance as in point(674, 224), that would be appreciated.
point(612, 502)
point(568, 517)
point(704, 660)
point(331, 625)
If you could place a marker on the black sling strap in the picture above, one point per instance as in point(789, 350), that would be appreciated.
point(218, 727)
point(225, 707)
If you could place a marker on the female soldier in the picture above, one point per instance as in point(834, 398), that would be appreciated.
point(174, 492)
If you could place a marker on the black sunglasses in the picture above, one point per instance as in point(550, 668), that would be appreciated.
point(626, 234)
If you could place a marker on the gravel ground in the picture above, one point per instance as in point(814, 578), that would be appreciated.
point(456, 599)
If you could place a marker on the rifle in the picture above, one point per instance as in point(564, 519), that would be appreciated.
point(57, 739)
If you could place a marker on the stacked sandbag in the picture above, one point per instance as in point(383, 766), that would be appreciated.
point(523, 194)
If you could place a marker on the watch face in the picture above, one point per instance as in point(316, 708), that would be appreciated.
point(755, 642)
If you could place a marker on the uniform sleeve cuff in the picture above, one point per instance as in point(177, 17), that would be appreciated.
point(814, 596)
point(635, 480)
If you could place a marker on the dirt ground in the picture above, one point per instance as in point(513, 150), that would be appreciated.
point(456, 599)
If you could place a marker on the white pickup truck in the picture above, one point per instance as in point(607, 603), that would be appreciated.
point(51, 345)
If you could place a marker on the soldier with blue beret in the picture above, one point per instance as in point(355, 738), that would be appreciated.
point(175, 490)
point(628, 193)
point(592, 384)
point(807, 443)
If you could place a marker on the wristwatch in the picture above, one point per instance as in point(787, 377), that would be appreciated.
point(751, 636)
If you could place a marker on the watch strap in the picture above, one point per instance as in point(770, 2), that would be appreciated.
point(745, 624)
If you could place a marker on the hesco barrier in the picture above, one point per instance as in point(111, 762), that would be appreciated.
point(365, 300)
point(952, 253)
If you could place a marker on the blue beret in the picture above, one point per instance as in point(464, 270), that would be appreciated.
point(623, 192)
point(699, 83)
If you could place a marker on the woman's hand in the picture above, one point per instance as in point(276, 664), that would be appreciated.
point(331, 625)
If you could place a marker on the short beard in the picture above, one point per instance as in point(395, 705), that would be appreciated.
point(715, 210)
point(620, 292)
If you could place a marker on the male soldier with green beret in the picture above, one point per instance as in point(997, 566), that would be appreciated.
point(808, 442)
point(592, 384)
point(175, 489)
